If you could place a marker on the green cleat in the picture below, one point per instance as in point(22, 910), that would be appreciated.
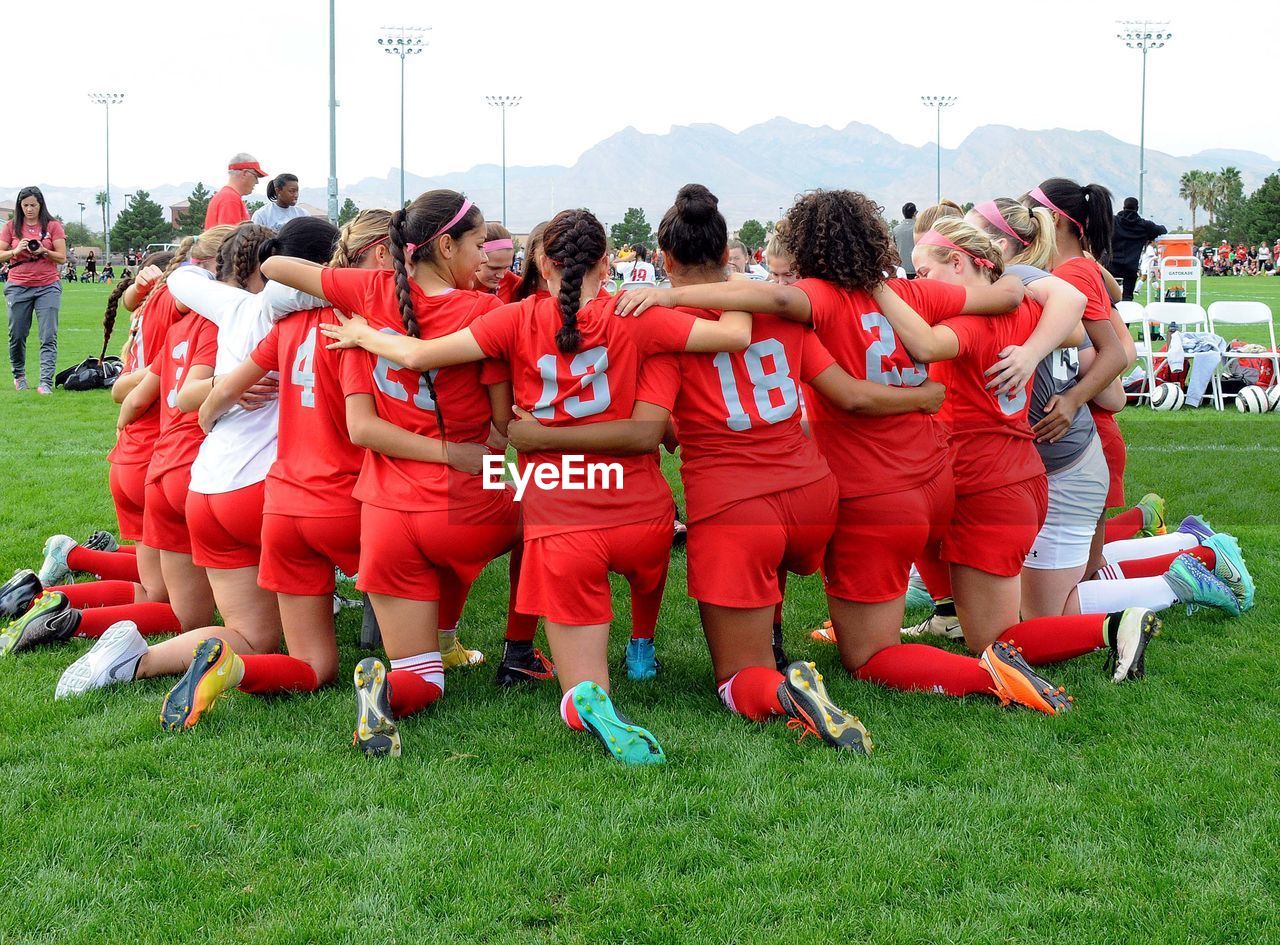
point(1231, 568)
point(1153, 522)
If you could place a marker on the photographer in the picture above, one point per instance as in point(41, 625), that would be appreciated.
point(34, 245)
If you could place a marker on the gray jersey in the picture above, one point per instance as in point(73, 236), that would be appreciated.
point(1056, 374)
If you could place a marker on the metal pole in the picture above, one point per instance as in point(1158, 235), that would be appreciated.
point(333, 120)
point(504, 166)
point(1142, 133)
point(402, 132)
point(108, 233)
point(1143, 35)
point(939, 156)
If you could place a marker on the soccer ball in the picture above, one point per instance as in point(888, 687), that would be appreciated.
point(1168, 397)
point(1273, 397)
point(1252, 399)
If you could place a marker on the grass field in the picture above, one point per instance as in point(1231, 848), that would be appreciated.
point(1151, 814)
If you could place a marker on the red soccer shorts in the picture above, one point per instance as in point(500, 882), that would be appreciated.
point(164, 514)
point(226, 528)
point(1113, 449)
point(993, 531)
point(403, 554)
point(129, 489)
point(877, 537)
point(565, 577)
point(299, 554)
point(735, 556)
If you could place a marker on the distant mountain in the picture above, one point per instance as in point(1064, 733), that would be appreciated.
point(761, 170)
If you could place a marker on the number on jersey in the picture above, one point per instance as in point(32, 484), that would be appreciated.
point(397, 391)
point(304, 369)
point(179, 355)
point(764, 382)
point(589, 369)
point(1064, 365)
point(880, 352)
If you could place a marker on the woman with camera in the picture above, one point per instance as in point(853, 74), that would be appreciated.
point(34, 245)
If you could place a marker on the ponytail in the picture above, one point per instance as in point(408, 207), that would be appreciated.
point(1088, 212)
point(531, 273)
point(277, 183)
point(575, 242)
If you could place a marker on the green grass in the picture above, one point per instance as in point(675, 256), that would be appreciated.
point(1151, 814)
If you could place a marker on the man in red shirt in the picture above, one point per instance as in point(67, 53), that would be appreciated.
point(227, 205)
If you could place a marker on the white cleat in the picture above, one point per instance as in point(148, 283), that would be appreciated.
point(112, 659)
point(936, 626)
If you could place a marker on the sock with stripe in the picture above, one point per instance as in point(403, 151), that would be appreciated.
point(1125, 525)
point(1104, 597)
point(275, 672)
point(1117, 551)
point(753, 693)
point(151, 618)
point(98, 593)
point(1154, 567)
point(569, 713)
point(921, 668)
point(416, 682)
point(108, 565)
point(1053, 639)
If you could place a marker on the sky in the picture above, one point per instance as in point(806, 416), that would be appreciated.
point(253, 76)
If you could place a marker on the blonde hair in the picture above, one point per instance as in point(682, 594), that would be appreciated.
point(1034, 227)
point(973, 244)
point(927, 217)
point(777, 244)
point(354, 238)
point(204, 246)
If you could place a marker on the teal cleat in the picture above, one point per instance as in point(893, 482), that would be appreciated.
point(642, 659)
point(1231, 568)
point(1195, 585)
point(55, 569)
point(622, 738)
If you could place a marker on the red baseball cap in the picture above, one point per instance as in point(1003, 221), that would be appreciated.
point(247, 164)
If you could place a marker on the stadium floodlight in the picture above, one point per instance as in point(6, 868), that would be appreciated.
point(402, 41)
point(503, 102)
point(1145, 35)
point(938, 103)
point(107, 99)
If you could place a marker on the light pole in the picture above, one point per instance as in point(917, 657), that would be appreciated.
point(938, 103)
point(333, 122)
point(503, 102)
point(107, 99)
point(402, 41)
point(1145, 35)
point(82, 216)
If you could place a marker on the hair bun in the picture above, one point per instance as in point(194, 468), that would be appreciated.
point(696, 204)
point(269, 247)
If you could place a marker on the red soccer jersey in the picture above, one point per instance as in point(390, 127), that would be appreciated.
point(316, 467)
point(737, 416)
point(402, 397)
point(225, 207)
point(991, 441)
point(1085, 275)
point(506, 291)
point(138, 439)
point(877, 455)
point(190, 341)
point(593, 384)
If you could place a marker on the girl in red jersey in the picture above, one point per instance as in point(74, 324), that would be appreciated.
point(896, 491)
point(736, 414)
point(428, 527)
point(494, 274)
point(572, 363)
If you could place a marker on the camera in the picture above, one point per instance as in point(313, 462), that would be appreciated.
point(33, 246)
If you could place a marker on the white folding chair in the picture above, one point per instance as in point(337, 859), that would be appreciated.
point(628, 286)
point(1186, 315)
point(1244, 313)
point(1131, 313)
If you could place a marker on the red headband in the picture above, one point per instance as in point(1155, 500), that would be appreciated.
point(1039, 196)
point(934, 238)
point(991, 213)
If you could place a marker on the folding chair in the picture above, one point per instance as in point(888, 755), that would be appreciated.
point(1186, 315)
point(628, 286)
point(1131, 312)
point(1244, 313)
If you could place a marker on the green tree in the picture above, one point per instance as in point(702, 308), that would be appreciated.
point(140, 223)
point(633, 229)
point(100, 199)
point(254, 206)
point(753, 234)
point(1228, 204)
point(1196, 188)
point(1260, 214)
point(347, 212)
point(192, 222)
point(80, 235)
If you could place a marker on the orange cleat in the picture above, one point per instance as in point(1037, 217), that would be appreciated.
point(1016, 681)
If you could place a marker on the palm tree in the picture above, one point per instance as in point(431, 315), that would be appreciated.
point(101, 201)
point(1211, 196)
point(1191, 188)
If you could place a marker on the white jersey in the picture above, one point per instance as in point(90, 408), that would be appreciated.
point(636, 270)
point(273, 216)
point(241, 447)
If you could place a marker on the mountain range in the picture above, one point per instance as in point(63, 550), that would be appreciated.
point(760, 170)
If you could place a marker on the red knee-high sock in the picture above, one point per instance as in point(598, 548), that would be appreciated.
point(97, 593)
point(410, 693)
point(753, 692)
point(915, 666)
point(275, 672)
point(1157, 566)
point(151, 619)
point(108, 565)
point(1125, 525)
point(1053, 639)
point(127, 549)
point(521, 628)
point(453, 597)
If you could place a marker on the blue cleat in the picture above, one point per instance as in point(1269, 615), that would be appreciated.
point(642, 659)
point(1231, 568)
point(1197, 528)
point(1196, 585)
point(55, 567)
point(629, 743)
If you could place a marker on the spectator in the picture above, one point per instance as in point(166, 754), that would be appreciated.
point(637, 268)
point(740, 262)
point(904, 236)
point(282, 202)
point(227, 205)
point(91, 267)
point(34, 244)
point(1130, 235)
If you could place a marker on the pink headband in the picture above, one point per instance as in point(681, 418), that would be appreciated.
point(492, 246)
point(1038, 196)
point(934, 238)
point(991, 213)
point(411, 248)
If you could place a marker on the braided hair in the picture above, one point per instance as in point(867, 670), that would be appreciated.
point(574, 241)
point(238, 255)
point(113, 300)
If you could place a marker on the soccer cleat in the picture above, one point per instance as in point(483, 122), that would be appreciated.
point(51, 619)
point(805, 700)
point(456, 656)
point(1153, 523)
point(780, 660)
point(642, 659)
point(341, 603)
point(211, 673)
point(824, 634)
point(936, 625)
point(376, 733)
point(523, 662)
point(1230, 567)
point(1128, 634)
point(1197, 527)
point(55, 567)
point(917, 596)
point(627, 742)
point(18, 594)
point(112, 659)
point(101, 541)
point(1195, 585)
point(1015, 681)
